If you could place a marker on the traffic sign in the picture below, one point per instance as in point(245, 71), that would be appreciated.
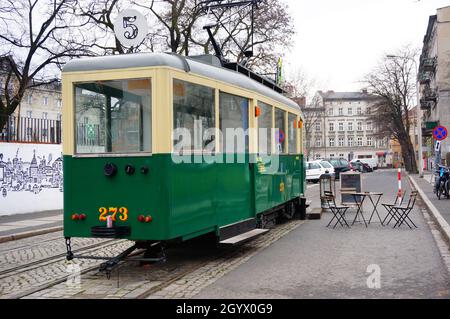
point(437, 147)
point(130, 27)
point(440, 133)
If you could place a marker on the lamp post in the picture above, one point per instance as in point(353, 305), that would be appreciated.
point(418, 112)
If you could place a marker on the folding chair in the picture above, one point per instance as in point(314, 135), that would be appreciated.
point(338, 211)
point(403, 212)
point(398, 202)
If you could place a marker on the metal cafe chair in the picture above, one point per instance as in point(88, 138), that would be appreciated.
point(402, 213)
point(398, 202)
point(338, 211)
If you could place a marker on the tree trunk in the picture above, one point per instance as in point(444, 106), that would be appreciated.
point(409, 156)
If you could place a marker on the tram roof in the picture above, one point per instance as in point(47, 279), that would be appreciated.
point(137, 60)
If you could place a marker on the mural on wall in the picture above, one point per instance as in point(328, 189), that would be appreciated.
point(33, 174)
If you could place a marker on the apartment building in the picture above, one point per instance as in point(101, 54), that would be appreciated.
point(343, 128)
point(434, 78)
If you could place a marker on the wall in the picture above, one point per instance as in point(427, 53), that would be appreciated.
point(30, 178)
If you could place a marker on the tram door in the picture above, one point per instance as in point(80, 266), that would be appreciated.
point(235, 184)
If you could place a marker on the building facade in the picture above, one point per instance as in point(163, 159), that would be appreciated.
point(434, 78)
point(343, 129)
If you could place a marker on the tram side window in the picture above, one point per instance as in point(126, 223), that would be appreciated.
point(265, 129)
point(193, 110)
point(292, 133)
point(119, 116)
point(234, 123)
point(280, 136)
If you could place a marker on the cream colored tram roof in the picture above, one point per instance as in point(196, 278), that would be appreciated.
point(139, 60)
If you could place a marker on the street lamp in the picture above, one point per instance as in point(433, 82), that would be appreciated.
point(418, 112)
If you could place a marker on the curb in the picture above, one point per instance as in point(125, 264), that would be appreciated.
point(443, 226)
point(23, 235)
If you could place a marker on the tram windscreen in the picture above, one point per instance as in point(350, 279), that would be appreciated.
point(113, 116)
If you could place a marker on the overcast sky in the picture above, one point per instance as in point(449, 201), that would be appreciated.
point(338, 41)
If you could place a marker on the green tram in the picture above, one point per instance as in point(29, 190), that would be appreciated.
point(123, 177)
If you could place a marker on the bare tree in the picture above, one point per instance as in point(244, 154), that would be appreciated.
point(299, 87)
point(37, 38)
point(393, 81)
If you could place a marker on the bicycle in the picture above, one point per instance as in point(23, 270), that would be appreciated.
point(442, 186)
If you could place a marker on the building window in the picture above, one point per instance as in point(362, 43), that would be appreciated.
point(317, 156)
point(341, 111)
point(330, 112)
point(331, 141)
point(369, 141)
point(29, 99)
point(341, 127)
point(359, 126)
point(45, 100)
point(44, 115)
point(369, 126)
point(350, 141)
point(29, 114)
point(350, 126)
point(359, 111)
point(331, 126)
point(318, 142)
point(317, 126)
point(341, 155)
point(58, 103)
point(331, 155)
point(341, 141)
point(360, 141)
point(350, 111)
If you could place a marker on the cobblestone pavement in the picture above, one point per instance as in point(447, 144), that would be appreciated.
point(190, 267)
point(38, 248)
point(28, 267)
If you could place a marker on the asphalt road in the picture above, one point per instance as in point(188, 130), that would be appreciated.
point(317, 262)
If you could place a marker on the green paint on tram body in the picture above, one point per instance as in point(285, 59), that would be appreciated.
point(184, 200)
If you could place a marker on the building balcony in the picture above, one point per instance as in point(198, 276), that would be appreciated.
point(426, 105)
point(429, 64)
point(429, 95)
point(424, 78)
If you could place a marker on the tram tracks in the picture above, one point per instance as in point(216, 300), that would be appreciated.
point(26, 279)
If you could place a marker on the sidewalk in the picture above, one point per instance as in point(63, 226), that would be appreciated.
point(440, 209)
point(26, 225)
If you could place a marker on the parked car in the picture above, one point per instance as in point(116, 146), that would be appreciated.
point(360, 167)
point(315, 169)
point(372, 162)
point(340, 165)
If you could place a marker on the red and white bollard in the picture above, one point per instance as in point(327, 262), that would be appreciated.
point(399, 178)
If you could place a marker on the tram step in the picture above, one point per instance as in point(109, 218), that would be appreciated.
point(239, 239)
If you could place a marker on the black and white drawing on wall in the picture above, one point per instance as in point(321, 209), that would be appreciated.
point(33, 174)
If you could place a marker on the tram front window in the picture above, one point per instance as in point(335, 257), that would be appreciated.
point(113, 116)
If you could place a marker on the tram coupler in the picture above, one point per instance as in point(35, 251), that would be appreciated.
point(69, 255)
point(109, 265)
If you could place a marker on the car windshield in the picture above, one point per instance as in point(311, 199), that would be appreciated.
point(335, 163)
point(326, 164)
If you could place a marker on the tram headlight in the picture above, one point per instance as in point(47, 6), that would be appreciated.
point(110, 169)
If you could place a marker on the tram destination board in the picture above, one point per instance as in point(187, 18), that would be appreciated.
point(350, 182)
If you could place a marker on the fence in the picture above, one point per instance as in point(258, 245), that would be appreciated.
point(30, 130)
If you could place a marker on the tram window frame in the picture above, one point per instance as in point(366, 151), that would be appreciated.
point(266, 112)
point(280, 115)
point(213, 126)
point(105, 139)
point(292, 132)
point(244, 117)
